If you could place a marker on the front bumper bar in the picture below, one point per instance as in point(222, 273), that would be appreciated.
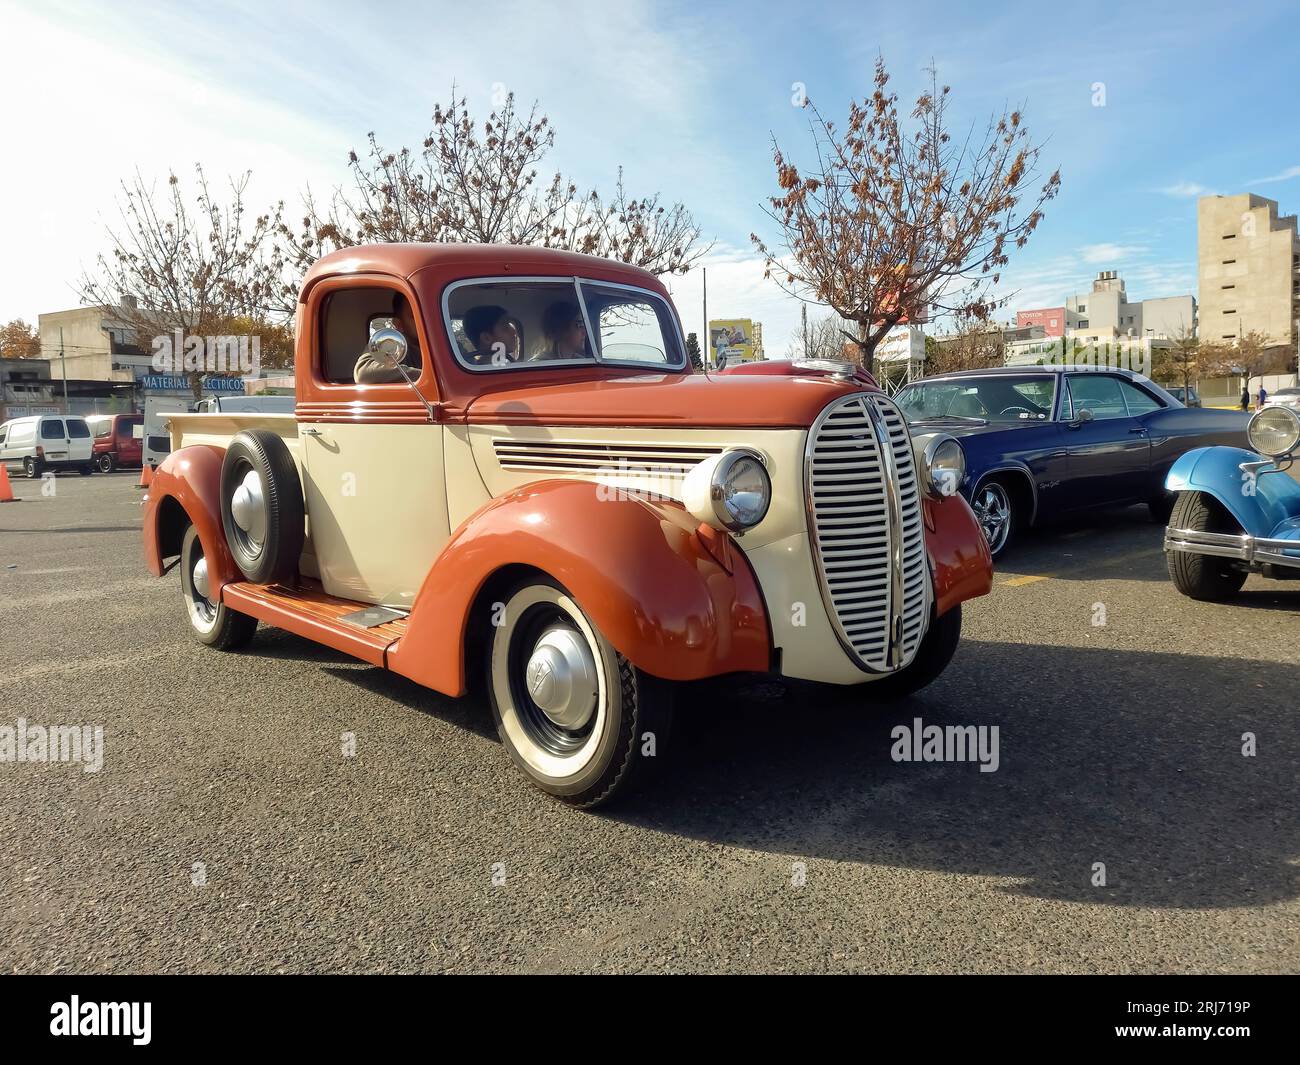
point(1253, 550)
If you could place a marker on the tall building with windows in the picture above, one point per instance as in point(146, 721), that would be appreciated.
point(1107, 313)
point(1248, 263)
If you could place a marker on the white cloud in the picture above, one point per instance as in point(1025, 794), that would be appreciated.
point(1109, 253)
point(1187, 190)
point(1286, 175)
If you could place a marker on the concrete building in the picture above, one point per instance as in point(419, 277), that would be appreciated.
point(1248, 266)
point(1106, 313)
point(95, 346)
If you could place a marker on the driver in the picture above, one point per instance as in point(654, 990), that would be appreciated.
point(494, 336)
point(372, 370)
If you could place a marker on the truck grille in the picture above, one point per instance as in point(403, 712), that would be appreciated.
point(864, 521)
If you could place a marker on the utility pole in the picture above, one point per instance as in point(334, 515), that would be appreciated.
point(708, 341)
point(64, 364)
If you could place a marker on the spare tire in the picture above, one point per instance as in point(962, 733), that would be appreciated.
point(262, 510)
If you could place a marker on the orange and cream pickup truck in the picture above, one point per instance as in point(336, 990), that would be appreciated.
point(530, 490)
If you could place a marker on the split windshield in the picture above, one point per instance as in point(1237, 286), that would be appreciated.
point(534, 323)
point(996, 399)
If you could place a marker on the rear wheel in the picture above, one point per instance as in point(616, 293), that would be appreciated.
point(32, 468)
point(1205, 577)
point(212, 622)
point(935, 652)
point(577, 717)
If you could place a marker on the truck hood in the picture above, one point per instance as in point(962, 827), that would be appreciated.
point(773, 400)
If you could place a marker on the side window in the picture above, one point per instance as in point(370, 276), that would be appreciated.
point(349, 318)
point(1098, 393)
point(3, 434)
point(52, 429)
point(102, 428)
point(500, 324)
point(78, 429)
point(1138, 401)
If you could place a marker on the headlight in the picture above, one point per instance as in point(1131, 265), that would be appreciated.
point(731, 491)
point(1274, 431)
point(942, 462)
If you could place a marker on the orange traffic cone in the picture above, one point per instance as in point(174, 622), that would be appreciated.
point(146, 476)
point(6, 489)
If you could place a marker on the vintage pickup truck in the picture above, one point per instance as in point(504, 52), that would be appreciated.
point(535, 493)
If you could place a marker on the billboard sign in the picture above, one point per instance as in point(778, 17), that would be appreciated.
point(731, 339)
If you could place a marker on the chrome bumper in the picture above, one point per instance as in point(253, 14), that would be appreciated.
point(1253, 550)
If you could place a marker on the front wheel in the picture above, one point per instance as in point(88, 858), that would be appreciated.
point(1205, 577)
point(577, 717)
point(212, 622)
point(105, 462)
point(32, 468)
point(996, 515)
point(932, 658)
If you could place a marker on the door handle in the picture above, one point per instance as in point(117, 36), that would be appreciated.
point(311, 432)
point(1139, 429)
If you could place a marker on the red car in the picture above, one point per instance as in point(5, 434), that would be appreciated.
point(118, 440)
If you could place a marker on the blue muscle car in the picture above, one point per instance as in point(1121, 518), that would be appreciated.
point(1042, 442)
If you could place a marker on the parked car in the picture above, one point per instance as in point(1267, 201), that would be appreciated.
point(1188, 397)
point(43, 442)
point(1284, 397)
point(1237, 512)
point(555, 508)
point(1044, 442)
point(118, 440)
point(157, 437)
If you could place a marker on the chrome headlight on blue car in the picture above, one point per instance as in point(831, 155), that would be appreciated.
point(1274, 431)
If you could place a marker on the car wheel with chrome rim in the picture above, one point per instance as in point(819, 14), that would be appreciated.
point(579, 719)
point(212, 622)
point(996, 515)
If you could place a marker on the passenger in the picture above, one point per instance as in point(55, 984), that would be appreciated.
point(493, 335)
point(565, 331)
point(372, 370)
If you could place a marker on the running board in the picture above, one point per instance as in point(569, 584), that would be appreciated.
point(309, 611)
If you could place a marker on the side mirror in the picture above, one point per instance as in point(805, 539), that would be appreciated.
point(1081, 417)
point(389, 346)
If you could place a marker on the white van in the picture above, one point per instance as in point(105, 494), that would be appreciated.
point(47, 442)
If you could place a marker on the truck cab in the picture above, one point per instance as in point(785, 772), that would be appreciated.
point(532, 493)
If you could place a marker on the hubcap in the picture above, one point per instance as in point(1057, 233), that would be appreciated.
point(561, 677)
point(248, 507)
point(994, 513)
point(200, 578)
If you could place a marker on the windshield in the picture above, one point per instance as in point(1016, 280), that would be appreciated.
point(996, 399)
point(509, 324)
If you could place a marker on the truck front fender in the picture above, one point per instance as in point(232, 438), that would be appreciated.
point(959, 552)
point(636, 567)
point(1259, 503)
point(188, 479)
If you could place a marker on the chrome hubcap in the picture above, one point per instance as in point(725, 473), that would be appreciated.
point(994, 513)
point(561, 677)
point(200, 577)
point(248, 507)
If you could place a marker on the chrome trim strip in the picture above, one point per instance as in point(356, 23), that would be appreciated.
point(894, 531)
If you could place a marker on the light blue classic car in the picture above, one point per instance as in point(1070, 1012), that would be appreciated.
point(1237, 512)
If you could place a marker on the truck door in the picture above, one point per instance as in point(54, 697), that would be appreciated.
point(54, 440)
point(373, 474)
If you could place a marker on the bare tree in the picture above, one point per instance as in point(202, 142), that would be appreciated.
point(971, 344)
point(890, 224)
point(201, 266)
point(823, 338)
point(481, 184)
point(1252, 355)
point(1180, 363)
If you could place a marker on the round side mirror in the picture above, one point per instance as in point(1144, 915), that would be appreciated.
point(1084, 415)
point(389, 346)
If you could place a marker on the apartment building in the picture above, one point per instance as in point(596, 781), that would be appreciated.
point(1106, 312)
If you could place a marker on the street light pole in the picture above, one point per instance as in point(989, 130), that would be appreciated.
point(63, 363)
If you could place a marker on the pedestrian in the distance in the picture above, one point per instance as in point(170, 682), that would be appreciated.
point(1245, 398)
point(1263, 397)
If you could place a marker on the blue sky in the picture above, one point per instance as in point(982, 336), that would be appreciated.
point(685, 96)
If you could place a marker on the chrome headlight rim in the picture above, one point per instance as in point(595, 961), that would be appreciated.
point(1286, 415)
point(722, 470)
point(934, 485)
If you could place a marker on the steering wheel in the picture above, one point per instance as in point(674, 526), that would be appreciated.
point(1010, 409)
